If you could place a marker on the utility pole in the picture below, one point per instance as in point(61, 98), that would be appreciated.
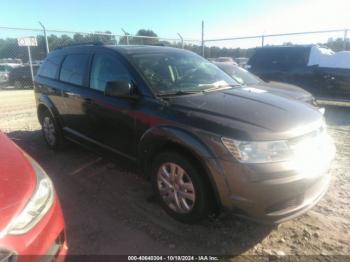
point(344, 43)
point(182, 40)
point(126, 35)
point(45, 36)
point(202, 38)
point(262, 40)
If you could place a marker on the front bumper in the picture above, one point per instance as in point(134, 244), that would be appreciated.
point(45, 241)
point(274, 192)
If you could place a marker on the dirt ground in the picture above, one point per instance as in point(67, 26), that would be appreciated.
point(109, 207)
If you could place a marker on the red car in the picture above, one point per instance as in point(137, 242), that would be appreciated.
point(31, 220)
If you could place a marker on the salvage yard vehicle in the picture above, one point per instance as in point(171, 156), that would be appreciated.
point(31, 220)
point(325, 74)
point(5, 69)
point(20, 77)
point(246, 78)
point(205, 142)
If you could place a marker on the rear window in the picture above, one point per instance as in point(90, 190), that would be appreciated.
point(73, 68)
point(275, 57)
point(50, 66)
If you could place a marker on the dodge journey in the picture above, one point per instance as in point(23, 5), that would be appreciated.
point(206, 142)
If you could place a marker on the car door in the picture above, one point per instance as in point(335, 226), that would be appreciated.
point(110, 118)
point(73, 80)
point(335, 83)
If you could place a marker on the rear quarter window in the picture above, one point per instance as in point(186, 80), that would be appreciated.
point(50, 67)
point(73, 68)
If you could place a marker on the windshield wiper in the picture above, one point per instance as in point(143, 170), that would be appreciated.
point(216, 88)
point(177, 93)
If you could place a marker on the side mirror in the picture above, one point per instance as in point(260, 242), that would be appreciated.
point(120, 88)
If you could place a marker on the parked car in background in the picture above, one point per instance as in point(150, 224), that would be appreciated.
point(5, 69)
point(242, 61)
point(31, 220)
point(20, 77)
point(205, 141)
point(320, 71)
point(223, 59)
point(246, 78)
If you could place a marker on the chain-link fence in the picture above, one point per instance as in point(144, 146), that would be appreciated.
point(14, 59)
point(242, 47)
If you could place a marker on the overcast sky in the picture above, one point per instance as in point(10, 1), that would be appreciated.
point(222, 18)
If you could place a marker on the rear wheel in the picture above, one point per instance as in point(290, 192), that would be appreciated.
point(181, 188)
point(51, 131)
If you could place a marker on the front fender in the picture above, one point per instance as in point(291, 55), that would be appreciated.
point(157, 138)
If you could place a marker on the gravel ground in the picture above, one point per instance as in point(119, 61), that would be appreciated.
point(109, 207)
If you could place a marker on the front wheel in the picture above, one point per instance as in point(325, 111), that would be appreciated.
point(181, 188)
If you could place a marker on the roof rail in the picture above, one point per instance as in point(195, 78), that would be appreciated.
point(97, 43)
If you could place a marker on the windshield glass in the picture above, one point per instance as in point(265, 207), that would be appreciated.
point(180, 72)
point(241, 75)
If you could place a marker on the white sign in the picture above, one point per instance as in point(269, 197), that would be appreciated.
point(27, 41)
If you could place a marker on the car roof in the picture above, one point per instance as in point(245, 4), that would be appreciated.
point(123, 49)
point(285, 47)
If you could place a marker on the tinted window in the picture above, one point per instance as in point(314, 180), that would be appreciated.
point(275, 57)
point(104, 69)
point(298, 56)
point(50, 67)
point(73, 68)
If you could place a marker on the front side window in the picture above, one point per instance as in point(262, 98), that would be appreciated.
point(73, 68)
point(179, 72)
point(50, 67)
point(106, 68)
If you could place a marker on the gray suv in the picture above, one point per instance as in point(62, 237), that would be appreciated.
point(204, 141)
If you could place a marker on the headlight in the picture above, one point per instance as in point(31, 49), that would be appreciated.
point(257, 152)
point(37, 206)
point(314, 149)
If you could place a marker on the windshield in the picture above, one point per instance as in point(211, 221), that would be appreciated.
point(180, 72)
point(241, 75)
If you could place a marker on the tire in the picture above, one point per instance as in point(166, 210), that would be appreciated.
point(188, 201)
point(18, 84)
point(51, 131)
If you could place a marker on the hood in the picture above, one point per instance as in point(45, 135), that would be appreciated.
point(247, 113)
point(286, 90)
point(17, 180)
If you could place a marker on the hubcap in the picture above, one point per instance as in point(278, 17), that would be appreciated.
point(176, 187)
point(49, 131)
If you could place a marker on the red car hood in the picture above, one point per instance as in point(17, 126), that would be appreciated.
point(17, 180)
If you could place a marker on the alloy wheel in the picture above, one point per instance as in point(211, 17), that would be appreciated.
point(176, 188)
point(49, 131)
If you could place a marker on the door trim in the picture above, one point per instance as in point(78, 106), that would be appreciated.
point(80, 135)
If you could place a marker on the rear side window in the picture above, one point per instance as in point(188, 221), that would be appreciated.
point(104, 69)
point(50, 66)
point(298, 56)
point(277, 57)
point(73, 68)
